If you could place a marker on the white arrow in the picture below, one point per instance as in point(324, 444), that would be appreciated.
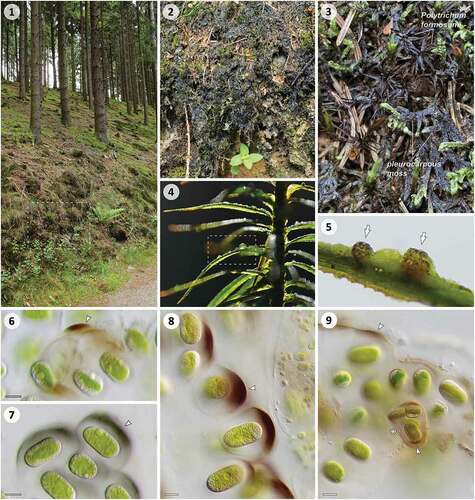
point(418, 451)
point(380, 325)
point(252, 388)
point(423, 237)
point(128, 423)
point(367, 230)
point(88, 318)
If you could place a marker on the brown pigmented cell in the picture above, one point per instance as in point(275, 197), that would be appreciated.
point(410, 421)
point(416, 263)
point(361, 251)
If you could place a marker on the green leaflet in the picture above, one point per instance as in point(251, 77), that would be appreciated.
point(249, 296)
point(300, 226)
point(303, 201)
point(301, 265)
point(242, 251)
point(231, 288)
point(298, 299)
point(300, 283)
point(293, 188)
point(224, 205)
point(305, 238)
point(183, 228)
point(196, 282)
point(305, 255)
point(384, 272)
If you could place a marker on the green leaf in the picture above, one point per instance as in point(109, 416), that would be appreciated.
point(224, 205)
point(294, 188)
point(251, 297)
point(255, 157)
point(303, 201)
point(242, 251)
point(236, 161)
point(301, 265)
point(305, 238)
point(305, 255)
point(302, 284)
point(235, 170)
point(247, 163)
point(230, 289)
point(196, 282)
point(300, 226)
point(188, 228)
point(243, 150)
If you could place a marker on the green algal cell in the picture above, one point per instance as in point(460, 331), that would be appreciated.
point(412, 428)
point(372, 389)
point(116, 491)
point(439, 410)
point(422, 380)
point(88, 382)
point(164, 387)
point(334, 471)
point(3, 370)
point(242, 435)
point(358, 415)
point(189, 363)
point(114, 367)
point(357, 448)
point(453, 392)
point(225, 478)
point(83, 466)
point(397, 378)
point(216, 387)
point(342, 378)
point(42, 452)
point(43, 375)
point(56, 486)
point(137, 341)
point(99, 439)
point(191, 328)
point(37, 315)
point(364, 354)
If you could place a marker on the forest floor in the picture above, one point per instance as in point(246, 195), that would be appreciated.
point(76, 214)
point(238, 73)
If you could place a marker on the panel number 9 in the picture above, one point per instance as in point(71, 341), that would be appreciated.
point(328, 320)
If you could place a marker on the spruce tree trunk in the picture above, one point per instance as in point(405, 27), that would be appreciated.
point(90, 92)
point(63, 76)
point(100, 117)
point(22, 92)
point(35, 109)
point(103, 58)
point(53, 49)
point(142, 65)
point(25, 51)
point(132, 60)
point(82, 29)
point(73, 63)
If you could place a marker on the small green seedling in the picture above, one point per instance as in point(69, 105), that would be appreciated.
point(244, 158)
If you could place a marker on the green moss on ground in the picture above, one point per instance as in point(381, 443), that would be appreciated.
point(55, 250)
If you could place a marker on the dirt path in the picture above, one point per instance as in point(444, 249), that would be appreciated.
point(140, 290)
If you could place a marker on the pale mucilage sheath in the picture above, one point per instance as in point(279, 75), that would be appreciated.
point(285, 271)
point(410, 276)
